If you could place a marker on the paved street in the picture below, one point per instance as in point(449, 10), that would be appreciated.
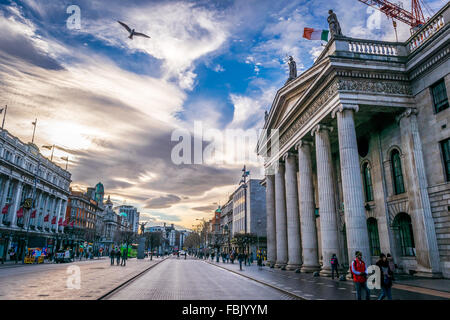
point(190, 279)
point(193, 279)
point(49, 281)
point(322, 288)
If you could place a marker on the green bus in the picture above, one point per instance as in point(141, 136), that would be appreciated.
point(132, 250)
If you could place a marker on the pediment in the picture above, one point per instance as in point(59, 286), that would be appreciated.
point(289, 96)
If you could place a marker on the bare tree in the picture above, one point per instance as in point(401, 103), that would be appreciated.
point(152, 240)
point(192, 241)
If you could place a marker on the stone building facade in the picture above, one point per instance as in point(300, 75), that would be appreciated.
point(33, 198)
point(363, 157)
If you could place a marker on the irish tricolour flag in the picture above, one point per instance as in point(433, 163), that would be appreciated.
point(315, 34)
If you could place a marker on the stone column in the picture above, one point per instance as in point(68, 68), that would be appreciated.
point(428, 262)
point(306, 202)
point(280, 217)
point(327, 207)
point(292, 213)
point(271, 221)
point(58, 214)
point(63, 211)
point(4, 196)
point(16, 205)
point(352, 188)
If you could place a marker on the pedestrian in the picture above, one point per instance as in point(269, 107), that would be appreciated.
point(259, 260)
point(240, 258)
point(359, 272)
point(124, 257)
point(251, 259)
point(228, 257)
point(392, 265)
point(111, 255)
point(117, 254)
point(385, 277)
point(334, 266)
point(12, 254)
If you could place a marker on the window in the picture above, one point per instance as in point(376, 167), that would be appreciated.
point(445, 146)
point(374, 239)
point(367, 178)
point(439, 93)
point(397, 174)
point(404, 234)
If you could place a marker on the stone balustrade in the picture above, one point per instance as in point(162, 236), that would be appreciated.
point(430, 28)
point(377, 48)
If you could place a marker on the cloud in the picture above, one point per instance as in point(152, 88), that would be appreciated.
point(17, 39)
point(181, 33)
point(207, 209)
point(162, 202)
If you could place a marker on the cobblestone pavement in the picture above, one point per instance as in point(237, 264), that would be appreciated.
point(319, 288)
point(49, 281)
point(191, 279)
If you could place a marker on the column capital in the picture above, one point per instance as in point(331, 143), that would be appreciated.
point(343, 107)
point(288, 154)
point(321, 127)
point(407, 113)
point(302, 143)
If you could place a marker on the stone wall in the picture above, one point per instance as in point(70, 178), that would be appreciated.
point(435, 127)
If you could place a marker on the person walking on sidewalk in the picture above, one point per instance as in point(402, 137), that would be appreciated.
point(359, 272)
point(334, 266)
point(392, 265)
point(259, 260)
point(386, 278)
point(117, 254)
point(111, 255)
point(240, 258)
point(124, 257)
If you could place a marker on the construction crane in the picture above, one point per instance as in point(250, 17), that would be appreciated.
point(394, 11)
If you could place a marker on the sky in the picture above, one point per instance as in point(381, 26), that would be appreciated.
point(116, 107)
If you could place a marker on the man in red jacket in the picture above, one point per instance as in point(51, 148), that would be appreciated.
point(359, 273)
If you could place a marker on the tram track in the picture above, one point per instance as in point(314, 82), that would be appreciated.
point(129, 281)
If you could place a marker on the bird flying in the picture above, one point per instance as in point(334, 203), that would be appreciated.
point(132, 32)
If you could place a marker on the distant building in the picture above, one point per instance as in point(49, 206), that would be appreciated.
point(252, 220)
point(226, 223)
point(84, 218)
point(132, 215)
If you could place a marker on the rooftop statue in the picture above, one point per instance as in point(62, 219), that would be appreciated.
point(292, 69)
point(335, 28)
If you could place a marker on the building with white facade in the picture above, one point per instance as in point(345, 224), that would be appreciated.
point(33, 197)
point(363, 156)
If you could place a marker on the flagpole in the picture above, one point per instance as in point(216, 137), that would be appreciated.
point(34, 129)
point(53, 149)
point(4, 116)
